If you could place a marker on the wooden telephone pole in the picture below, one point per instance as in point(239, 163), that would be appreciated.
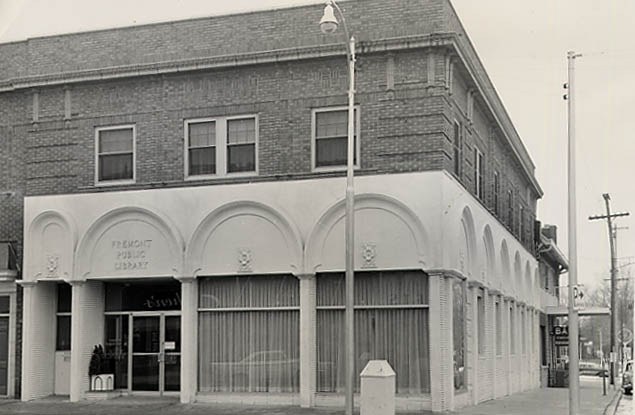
point(612, 246)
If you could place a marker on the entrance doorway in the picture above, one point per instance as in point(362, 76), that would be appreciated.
point(156, 353)
point(143, 337)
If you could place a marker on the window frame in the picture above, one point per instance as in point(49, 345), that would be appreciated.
point(133, 127)
point(357, 155)
point(221, 147)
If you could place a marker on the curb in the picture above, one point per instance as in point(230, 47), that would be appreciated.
point(612, 406)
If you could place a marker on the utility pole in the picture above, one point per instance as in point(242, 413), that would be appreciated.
point(609, 220)
point(574, 364)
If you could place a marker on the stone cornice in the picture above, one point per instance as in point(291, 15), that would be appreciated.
point(224, 61)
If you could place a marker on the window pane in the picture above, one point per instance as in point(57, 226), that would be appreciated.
point(241, 131)
point(115, 140)
point(63, 333)
point(331, 151)
point(375, 288)
point(331, 123)
point(250, 351)
point(398, 335)
point(116, 348)
point(115, 167)
point(202, 134)
point(4, 354)
point(4, 304)
point(241, 157)
point(64, 298)
point(202, 161)
point(249, 292)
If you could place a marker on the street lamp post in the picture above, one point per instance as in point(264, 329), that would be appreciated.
point(329, 24)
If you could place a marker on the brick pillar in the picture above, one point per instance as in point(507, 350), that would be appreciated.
point(308, 346)
point(189, 338)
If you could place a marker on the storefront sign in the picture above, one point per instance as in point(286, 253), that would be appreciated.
point(131, 254)
point(560, 335)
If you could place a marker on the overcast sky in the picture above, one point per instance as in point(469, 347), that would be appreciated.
point(523, 45)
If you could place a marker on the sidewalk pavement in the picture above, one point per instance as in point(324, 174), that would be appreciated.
point(549, 401)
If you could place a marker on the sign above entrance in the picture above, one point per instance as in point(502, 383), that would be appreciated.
point(132, 247)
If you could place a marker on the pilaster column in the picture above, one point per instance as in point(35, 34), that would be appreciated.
point(308, 346)
point(189, 337)
point(87, 330)
point(441, 341)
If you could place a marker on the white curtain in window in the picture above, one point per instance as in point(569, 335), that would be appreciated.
point(249, 334)
point(398, 334)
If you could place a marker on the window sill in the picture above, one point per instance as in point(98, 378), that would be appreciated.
point(113, 183)
point(220, 176)
point(333, 168)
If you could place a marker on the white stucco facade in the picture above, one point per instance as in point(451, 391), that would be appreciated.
point(416, 221)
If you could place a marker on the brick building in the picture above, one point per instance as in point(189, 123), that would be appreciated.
point(183, 189)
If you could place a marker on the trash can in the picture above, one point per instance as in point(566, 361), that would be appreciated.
point(378, 389)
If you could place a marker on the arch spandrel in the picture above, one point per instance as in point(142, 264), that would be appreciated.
point(130, 242)
point(392, 236)
point(245, 237)
point(50, 246)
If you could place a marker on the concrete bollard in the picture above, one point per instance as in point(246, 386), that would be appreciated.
point(378, 389)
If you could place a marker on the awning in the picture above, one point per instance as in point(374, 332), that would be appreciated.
point(563, 311)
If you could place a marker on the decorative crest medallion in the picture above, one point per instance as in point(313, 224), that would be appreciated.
point(369, 253)
point(244, 260)
point(52, 265)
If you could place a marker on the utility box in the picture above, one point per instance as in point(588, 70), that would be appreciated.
point(378, 389)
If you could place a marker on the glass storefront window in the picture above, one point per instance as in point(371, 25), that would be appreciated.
point(249, 333)
point(391, 322)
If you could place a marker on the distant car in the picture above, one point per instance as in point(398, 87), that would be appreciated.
point(593, 369)
point(627, 378)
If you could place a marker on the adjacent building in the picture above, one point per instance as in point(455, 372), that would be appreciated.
point(183, 202)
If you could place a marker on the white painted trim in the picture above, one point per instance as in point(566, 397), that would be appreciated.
point(134, 155)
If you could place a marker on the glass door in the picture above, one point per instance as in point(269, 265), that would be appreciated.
point(156, 353)
point(146, 352)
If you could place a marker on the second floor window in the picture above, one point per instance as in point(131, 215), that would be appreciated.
point(497, 190)
point(330, 134)
point(220, 146)
point(510, 209)
point(478, 173)
point(456, 141)
point(115, 154)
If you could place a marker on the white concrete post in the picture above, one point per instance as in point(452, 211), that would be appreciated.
point(87, 330)
point(308, 346)
point(189, 337)
point(440, 341)
point(38, 340)
point(377, 389)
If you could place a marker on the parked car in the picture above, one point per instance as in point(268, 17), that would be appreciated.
point(593, 369)
point(627, 378)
